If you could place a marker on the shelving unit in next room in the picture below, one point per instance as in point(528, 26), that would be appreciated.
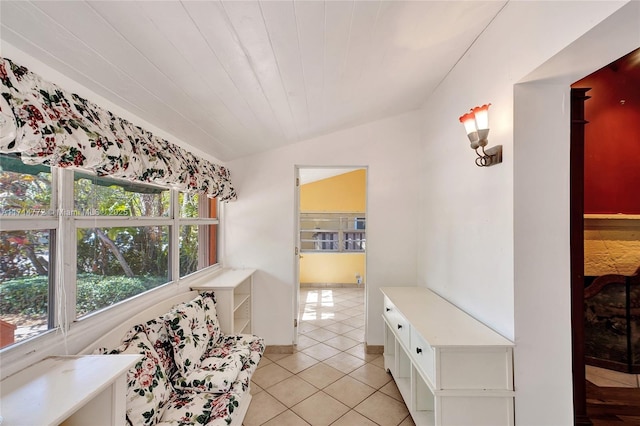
point(233, 289)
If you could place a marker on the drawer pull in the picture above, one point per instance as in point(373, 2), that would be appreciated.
point(388, 309)
point(399, 326)
point(418, 350)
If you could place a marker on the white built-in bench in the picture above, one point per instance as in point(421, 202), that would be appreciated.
point(92, 389)
point(68, 390)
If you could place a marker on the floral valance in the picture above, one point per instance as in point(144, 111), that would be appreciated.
point(50, 126)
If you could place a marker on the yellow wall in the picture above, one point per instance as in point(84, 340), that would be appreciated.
point(334, 268)
point(343, 193)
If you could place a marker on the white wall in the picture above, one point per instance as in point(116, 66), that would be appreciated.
point(541, 211)
point(495, 241)
point(259, 226)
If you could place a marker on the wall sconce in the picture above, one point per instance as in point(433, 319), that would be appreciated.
point(476, 123)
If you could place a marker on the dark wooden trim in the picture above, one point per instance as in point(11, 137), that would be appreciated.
point(576, 202)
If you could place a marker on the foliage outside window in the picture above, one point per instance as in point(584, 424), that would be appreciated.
point(100, 196)
point(25, 274)
point(115, 264)
point(25, 270)
point(120, 233)
point(189, 259)
point(194, 256)
point(189, 205)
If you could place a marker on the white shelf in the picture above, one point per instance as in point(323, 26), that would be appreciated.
point(233, 289)
point(404, 386)
point(227, 278)
point(239, 325)
point(239, 299)
point(440, 322)
point(69, 390)
point(423, 418)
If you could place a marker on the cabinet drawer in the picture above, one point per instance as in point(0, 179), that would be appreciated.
point(403, 329)
point(475, 368)
point(476, 410)
point(423, 355)
point(389, 309)
point(397, 322)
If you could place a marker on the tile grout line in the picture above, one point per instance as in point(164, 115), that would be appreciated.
point(342, 304)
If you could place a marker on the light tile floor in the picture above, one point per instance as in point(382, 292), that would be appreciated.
point(610, 378)
point(329, 380)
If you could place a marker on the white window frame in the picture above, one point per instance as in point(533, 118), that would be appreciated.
point(63, 274)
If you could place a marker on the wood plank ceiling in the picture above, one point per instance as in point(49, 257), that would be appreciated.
point(233, 78)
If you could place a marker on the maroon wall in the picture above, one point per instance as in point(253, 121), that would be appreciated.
point(612, 140)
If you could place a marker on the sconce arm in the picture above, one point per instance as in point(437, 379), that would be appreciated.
point(489, 157)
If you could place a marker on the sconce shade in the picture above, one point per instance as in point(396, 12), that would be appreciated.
point(469, 122)
point(476, 124)
point(481, 114)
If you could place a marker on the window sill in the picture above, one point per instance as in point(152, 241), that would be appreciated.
point(84, 330)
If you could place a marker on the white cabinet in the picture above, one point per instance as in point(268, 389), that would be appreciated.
point(68, 390)
point(451, 369)
point(233, 289)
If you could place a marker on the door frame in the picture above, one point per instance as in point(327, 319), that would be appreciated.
point(576, 230)
point(296, 237)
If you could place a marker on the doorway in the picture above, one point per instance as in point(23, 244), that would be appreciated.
point(331, 247)
point(605, 242)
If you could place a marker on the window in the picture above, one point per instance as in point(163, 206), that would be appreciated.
point(27, 237)
point(354, 241)
point(100, 196)
point(332, 232)
point(126, 238)
point(117, 263)
point(326, 241)
point(117, 256)
point(197, 232)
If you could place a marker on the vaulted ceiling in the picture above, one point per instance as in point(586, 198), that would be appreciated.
point(232, 78)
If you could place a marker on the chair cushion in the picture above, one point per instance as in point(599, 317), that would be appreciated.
point(158, 335)
point(197, 408)
point(215, 375)
point(250, 349)
point(211, 372)
point(213, 326)
point(248, 346)
point(187, 328)
point(148, 387)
